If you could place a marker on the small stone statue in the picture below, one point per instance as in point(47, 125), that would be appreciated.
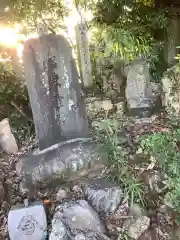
point(139, 93)
point(137, 79)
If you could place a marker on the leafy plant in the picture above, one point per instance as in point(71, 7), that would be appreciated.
point(165, 148)
point(123, 236)
point(128, 29)
point(31, 12)
point(108, 135)
point(14, 104)
point(124, 44)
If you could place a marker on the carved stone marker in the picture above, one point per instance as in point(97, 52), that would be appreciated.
point(139, 92)
point(66, 152)
point(51, 76)
point(83, 50)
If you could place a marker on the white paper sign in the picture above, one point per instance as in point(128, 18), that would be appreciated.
point(27, 223)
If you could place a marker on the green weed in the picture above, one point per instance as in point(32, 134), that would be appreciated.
point(165, 148)
point(108, 135)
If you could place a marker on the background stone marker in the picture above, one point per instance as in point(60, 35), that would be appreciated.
point(139, 90)
point(84, 56)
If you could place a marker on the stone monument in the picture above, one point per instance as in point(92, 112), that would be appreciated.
point(51, 76)
point(66, 151)
point(139, 90)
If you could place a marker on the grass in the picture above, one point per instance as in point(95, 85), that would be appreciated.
point(123, 236)
point(165, 148)
point(107, 134)
point(162, 148)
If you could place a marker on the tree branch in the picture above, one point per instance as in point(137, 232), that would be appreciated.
point(20, 111)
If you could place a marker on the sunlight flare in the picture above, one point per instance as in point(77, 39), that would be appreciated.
point(9, 36)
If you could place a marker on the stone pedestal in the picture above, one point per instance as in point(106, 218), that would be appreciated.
point(65, 161)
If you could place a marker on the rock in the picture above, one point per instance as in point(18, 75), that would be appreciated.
point(119, 108)
point(76, 189)
point(150, 234)
point(96, 105)
point(111, 93)
point(106, 105)
point(103, 196)
point(139, 94)
point(61, 194)
point(76, 220)
point(135, 212)
point(171, 93)
point(7, 140)
point(154, 180)
point(139, 227)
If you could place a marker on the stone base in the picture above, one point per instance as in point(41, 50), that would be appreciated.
point(65, 161)
point(146, 111)
point(140, 112)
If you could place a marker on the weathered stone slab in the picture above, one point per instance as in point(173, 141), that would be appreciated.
point(65, 161)
point(57, 104)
